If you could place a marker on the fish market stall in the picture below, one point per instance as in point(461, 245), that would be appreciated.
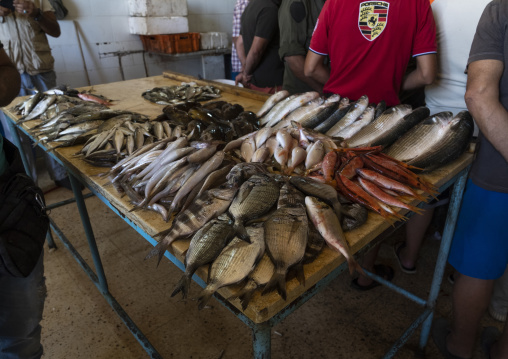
point(263, 311)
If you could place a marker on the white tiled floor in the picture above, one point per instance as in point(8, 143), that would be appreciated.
point(339, 322)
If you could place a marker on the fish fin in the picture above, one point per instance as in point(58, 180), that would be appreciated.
point(277, 282)
point(182, 286)
point(245, 298)
point(241, 232)
point(355, 266)
point(300, 275)
point(160, 248)
point(204, 297)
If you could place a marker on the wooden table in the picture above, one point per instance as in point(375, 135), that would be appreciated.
point(265, 311)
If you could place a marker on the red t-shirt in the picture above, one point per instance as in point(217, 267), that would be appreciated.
point(370, 43)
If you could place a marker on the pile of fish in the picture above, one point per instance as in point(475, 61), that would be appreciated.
point(255, 227)
point(187, 91)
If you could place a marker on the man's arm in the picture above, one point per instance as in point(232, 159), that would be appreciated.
point(424, 74)
point(296, 64)
point(47, 20)
point(315, 68)
point(253, 58)
point(240, 49)
point(10, 81)
point(482, 100)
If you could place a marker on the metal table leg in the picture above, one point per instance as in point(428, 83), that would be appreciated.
point(262, 341)
point(444, 250)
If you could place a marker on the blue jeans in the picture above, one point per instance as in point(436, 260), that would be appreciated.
point(21, 307)
point(30, 84)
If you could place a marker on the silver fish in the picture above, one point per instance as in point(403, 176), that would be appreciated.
point(354, 112)
point(254, 198)
point(291, 105)
point(204, 247)
point(434, 142)
point(272, 101)
point(40, 108)
point(365, 118)
point(234, 263)
point(320, 190)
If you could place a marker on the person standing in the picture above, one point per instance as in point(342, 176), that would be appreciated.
point(22, 286)
point(297, 19)
point(359, 37)
point(479, 250)
point(237, 59)
point(259, 40)
point(23, 31)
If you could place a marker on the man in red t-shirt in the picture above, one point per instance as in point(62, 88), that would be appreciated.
point(369, 44)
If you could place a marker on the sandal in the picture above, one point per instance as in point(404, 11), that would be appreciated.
point(490, 335)
point(397, 247)
point(384, 271)
point(440, 330)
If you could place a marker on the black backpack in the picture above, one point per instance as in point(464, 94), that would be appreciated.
point(23, 219)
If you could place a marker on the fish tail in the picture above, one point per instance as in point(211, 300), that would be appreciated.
point(278, 282)
point(355, 266)
point(182, 286)
point(204, 297)
point(160, 249)
point(241, 232)
point(245, 298)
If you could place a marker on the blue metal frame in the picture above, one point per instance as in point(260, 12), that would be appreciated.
point(261, 332)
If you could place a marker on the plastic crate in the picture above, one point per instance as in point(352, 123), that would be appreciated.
point(171, 43)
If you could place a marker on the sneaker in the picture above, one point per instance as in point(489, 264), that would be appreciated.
point(497, 315)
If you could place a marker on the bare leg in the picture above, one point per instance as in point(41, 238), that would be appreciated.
point(471, 297)
point(416, 228)
point(368, 263)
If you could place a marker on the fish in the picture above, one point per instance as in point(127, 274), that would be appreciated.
point(39, 108)
point(234, 263)
point(365, 118)
point(300, 113)
point(315, 244)
point(354, 112)
point(93, 98)
point(384, 130)
point(354, 216)
point(288, 106)
point(326, 222)
point(208, 205)
point(319, 114)
point(205, 245)
point(336, 116)
point(286, 232)
point(272, 101)
point(320, 190)
point(254, 198)
point(436, 141)
point(29, 104)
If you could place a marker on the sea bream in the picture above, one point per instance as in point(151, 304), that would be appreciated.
point(434, 142)
point(204, 247)
point(234, 263)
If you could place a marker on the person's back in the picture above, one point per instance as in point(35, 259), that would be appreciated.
point(259, 19)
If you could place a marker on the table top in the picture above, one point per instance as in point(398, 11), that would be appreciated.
point(127, 96)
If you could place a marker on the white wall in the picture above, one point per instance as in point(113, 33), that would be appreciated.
point(103, 29)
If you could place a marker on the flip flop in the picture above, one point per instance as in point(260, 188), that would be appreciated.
point(397, 247)
point(384, 271)
point(440, 330)
point(490, 335)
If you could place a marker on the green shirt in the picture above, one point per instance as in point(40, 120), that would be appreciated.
point(297, 19)
point(3, 160)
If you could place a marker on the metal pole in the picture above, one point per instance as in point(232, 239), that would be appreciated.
point(444, 250)
point(85, 220)
point(262, 341)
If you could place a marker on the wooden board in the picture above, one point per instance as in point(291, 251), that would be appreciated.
point(127, 96)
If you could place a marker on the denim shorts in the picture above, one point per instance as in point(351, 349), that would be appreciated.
point(480, 242)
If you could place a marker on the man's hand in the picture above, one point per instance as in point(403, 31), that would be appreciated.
point(25, 7)
point(243, 78)
point(4, 11)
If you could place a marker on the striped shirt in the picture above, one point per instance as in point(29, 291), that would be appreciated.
point(236, 66)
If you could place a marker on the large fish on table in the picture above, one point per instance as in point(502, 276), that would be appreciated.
point(385, 129)
point(204, 247)
point(272, 101)
point(354, 112)
point(210, 204)
point(254, 198)
point(286, 233)
point(434, 142)
point(234, 263)
point(327, 223)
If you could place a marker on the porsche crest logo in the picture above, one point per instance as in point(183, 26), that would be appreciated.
point(372, 19)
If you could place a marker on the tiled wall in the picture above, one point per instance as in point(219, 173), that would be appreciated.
point(103, 30)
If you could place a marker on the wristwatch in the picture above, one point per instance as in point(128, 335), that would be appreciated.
point(39, 15)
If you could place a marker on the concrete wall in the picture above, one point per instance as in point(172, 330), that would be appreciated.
point(109, 53)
